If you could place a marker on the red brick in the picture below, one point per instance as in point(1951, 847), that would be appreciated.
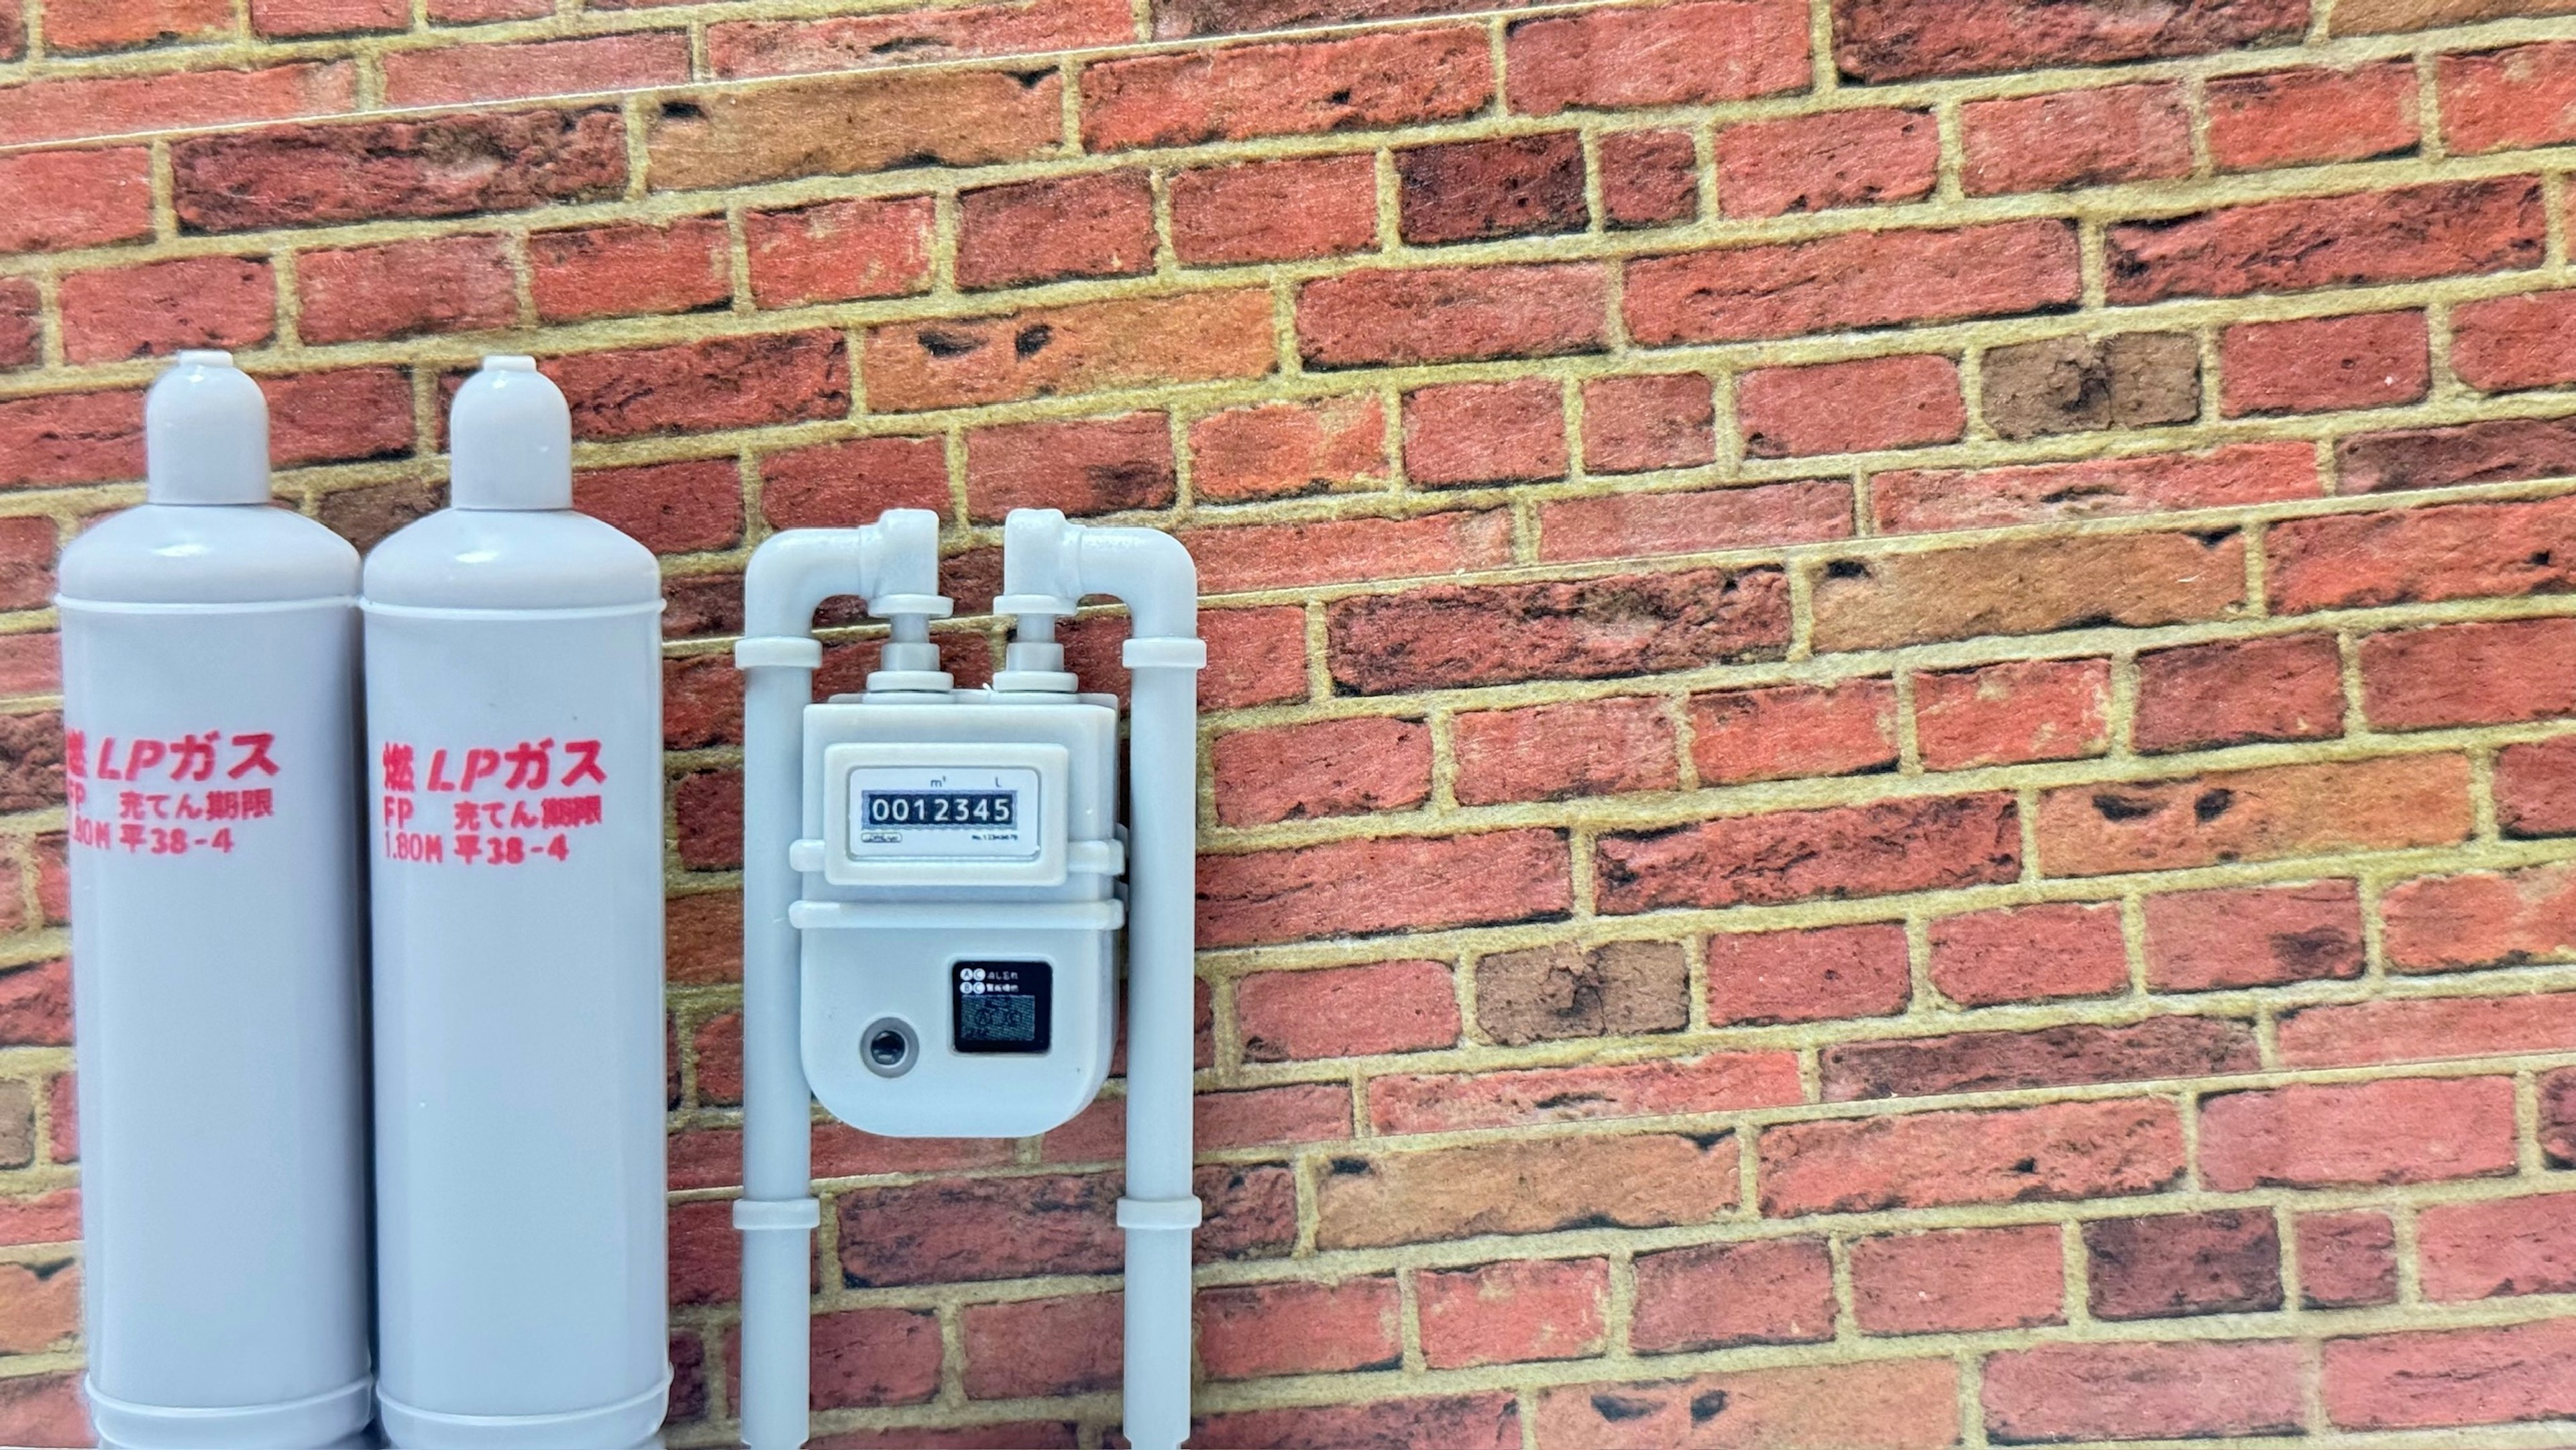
point(2407, 1130)
point(469, 12)
point(702, 933)
point(1638, 525)
point(1453, 314)
point(2012, 713)
point(2227, 1261)
point(2155, 1049)
point(2500, 100)
point(345, 416)
point(66, 199)
point(2197, 697)
point(862, 1358)
point(2346, 1260)
point(2151, 1391)
point(62, 1107)
point(2316, 365)
point(2073, 139)
point(2255, 815)
point(1489, 1421)
point(2505, 344)
point(27, 547)
point(1275, 211)
point(574, 66)
point(2484, 919)
point(95, 25)
point(296, 18)
point(1850, 407)
point(846, 125)
point(1675, 54)
point(1850, 280)
point(1302, 1112)
point(1958, 1280)
point(1882, 849)
point(1716, 1083)
point(1785, 732)
point(670, 508)
point(1360, 82)
point(2243, 473)
point(75, 107)
point(2202, 941)
point(838, 251)
point(1255, 657)
point(1248, 1331)
point(22, 323)
point(1471, 433)
point(2057, 1153)
point(1511, 186)
point(1454, 636)
point(2422, 1029)
point(628, 268)
point(706, 814)
point(1328, 768)
point(1083, 466)
point(1830, 159)
point(2030, 954)
point(2536, 788)
point(1868, 1405)
point(292, 176)
point(44, 1218)
point(1648, 178)
point(2410, 233)
point(162, 307)
point(2312, 116)
point(971, 1229)
point(44, 1409)
point(403, 289)
point(2508, 1246)
point(1816, 975)
point(1085, 347)
point(858, 42)
point(13, 34)
point(1551, 752)
point(2452, 1377)
point(706, 1254)
point(1275, 450)
point(1034, 1434)
point(2497, 451)
point(1347, 1011)
point(1100, 225)
point(31, 664)
point(1525, 1186)
point(1635, 424)
point(1767, 1291)
point(690, 387)
point(1067, 1346)
point(1336, 551)
point(2470, 674)
point(2034, 586)
point(1890, 40)
point(838, 485)
point(1514, 1311)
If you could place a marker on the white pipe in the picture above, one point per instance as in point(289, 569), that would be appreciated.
point(1152, 574)
point(791, 575)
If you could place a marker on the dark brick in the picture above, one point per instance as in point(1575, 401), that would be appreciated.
point(448, 166)
point(1967, 1062)
point(1469, 190)
point(2225, 1262)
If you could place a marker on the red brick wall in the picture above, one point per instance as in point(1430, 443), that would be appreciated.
point(1889, 752)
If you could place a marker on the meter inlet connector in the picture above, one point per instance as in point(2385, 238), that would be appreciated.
point(933, 899)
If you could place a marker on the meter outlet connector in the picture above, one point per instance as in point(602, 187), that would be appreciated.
point(932, 901)
point(210, 658)
point(514, 739)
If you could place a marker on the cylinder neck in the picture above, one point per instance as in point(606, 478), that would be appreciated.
point(510, 438)
point(205, 434)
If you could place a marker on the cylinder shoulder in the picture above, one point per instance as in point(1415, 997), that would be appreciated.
point(511, 559)
point(208, 554)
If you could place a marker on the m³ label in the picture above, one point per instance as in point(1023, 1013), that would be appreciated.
point(928, 812)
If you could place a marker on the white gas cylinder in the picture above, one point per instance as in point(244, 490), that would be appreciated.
point(514, 754)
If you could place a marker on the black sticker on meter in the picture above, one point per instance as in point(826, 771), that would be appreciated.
point(1001, 1006)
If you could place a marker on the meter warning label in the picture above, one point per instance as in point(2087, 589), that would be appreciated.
point(488, 805)
point(159, 797)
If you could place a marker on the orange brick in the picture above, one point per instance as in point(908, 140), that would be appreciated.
point(1550, 752)
point(2483, 919)
point(835, 43)
point(2029, 587)
point(1525, 1186)
point(2255, 815)
point(1910, 1404)
point(1333, 551)
point(2072, 139)
point(1514, 1311)
point(853, 124)
point(1274, 450)
point(2012, 713)
point(838, 251)
point(1715, 1083)
point(1085, 347)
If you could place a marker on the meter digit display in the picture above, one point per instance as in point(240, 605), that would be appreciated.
point(1002, 1006)
point(932, 809)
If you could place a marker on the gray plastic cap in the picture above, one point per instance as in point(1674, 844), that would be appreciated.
point(509, 439)
point(205, 434)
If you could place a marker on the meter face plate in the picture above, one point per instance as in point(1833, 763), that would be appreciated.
point(911, 812)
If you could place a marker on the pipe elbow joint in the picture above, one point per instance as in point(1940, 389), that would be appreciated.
point(1049, 564)
point(793, 572)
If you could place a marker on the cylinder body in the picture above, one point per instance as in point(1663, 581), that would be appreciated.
point(514, 752)
point(210, 690)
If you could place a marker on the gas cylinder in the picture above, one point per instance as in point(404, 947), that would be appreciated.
point(514, 748)
point(210, 686)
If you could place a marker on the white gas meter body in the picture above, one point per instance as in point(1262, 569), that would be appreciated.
point(959, 908)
